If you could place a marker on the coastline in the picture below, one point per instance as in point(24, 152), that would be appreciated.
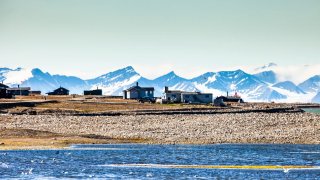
point(60, 131)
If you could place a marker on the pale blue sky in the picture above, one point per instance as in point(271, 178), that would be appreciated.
point(91, 37)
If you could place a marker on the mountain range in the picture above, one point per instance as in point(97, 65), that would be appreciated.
point(260, 86)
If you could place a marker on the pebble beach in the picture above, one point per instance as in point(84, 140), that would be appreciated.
point(274, 128)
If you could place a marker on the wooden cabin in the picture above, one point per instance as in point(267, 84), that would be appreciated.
point(60, 91)
point(137, 92)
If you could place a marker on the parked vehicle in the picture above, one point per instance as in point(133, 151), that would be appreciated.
point(147, 99)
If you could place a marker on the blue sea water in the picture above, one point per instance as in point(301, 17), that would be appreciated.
point(312, 110)
point(138, 161)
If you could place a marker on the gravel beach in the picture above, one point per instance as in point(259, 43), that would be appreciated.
point(292, 128)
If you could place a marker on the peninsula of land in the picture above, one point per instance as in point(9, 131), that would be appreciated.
point(60, 122)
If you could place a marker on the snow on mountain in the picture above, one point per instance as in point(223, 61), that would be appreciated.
point(47, 82)
point(267, 76)
point(205, 78)
point(248, 86)
point(3, 72)
point(115, 82)
point(234, 81)
point(268, 94)
point(292, 92)
point(316, 99)
point(311, 85)
point(289, 86)
point(15, 77)
point(174, 81)
point(266, 67)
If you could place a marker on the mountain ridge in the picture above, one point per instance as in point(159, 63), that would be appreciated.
point(262, 86)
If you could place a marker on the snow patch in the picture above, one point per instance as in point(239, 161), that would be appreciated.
point(211, 79)
point(17, 76)
point(293, 97)
point(112, 88)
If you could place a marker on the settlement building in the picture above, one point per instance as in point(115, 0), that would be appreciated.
point(224, 100)
point(177, 96)
point(19, 91)
point(196, 98)
point(34, 93)
point(3, 86)
point(137, 92)
point(3, 91)
point(96, 92)
point(59, 91)
point(172, 96)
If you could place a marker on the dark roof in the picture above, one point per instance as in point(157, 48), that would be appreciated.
point(19, 89)
point(61, 88)
point(3, 86)
point(140, 88)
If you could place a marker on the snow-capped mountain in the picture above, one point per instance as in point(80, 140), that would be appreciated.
point(289, 86)
point(174, 81)
point(113, 83)
point(249, 86)
point(266, 67)
point(262, 86)
point(311, 85)
point(47, 82)
point(13, 77)
point(267, 76)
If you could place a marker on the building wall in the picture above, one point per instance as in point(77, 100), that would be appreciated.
point(18, 92)
point(3, 93)
point(173, 97)
point(144, 93)
point(97, 92)
point(136, 94)
point(196, 98)
point(133, 94)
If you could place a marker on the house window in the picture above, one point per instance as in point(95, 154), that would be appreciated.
point(174, 96)
point(207, 96)
point(187, 96)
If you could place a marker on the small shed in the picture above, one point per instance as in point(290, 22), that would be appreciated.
point(137, 92)
point(59, 91)
point(223, 100)
point(96, 92)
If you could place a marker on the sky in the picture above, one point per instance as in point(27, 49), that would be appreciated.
point(88, 38)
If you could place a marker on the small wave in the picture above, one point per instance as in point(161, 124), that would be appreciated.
point(93, 148)
point(244, 167)
point(4, 165)
point(306, 152)
point(28, 172)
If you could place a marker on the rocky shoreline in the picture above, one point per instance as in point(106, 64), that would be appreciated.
point(254, 127)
